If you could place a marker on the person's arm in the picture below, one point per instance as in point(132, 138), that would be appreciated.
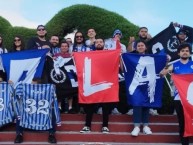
point(166, 70)
point(130, 44)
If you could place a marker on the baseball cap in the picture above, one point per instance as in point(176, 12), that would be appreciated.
point(117, 31)
point(41, 26)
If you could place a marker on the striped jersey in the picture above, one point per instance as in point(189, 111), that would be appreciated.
point(6, 107)
point(34, 106)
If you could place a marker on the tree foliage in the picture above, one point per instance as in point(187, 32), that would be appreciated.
point(76, 17)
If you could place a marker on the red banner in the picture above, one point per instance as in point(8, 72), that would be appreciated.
point(184, 85)
point(97, 73)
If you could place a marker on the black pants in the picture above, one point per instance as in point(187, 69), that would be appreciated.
point(180, 114)
point(90, 109)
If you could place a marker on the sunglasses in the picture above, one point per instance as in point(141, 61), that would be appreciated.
point(79, 36)
point(17, 40)
point(41, 29)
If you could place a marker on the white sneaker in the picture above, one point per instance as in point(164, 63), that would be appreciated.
point(130, 112)
point(174, 112)
point(135, 131)
point(147, 130)
point(115, 111)
point(153, 112)
point(100, 111)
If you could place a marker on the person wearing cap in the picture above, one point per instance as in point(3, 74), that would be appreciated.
point(40, 41)
point(184, 34)
point(110, 44)
point(142, 34)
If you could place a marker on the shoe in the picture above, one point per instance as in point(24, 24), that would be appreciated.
point(100, 111)
point(174, 112)
point(81, 110)
point(51, 138)
point(105, 130)
point(115, 111)
point(71, 111)
point(147, 130)
point(19, 138)
point(153, 112)
point(130, 112)
point(85, 129)
point(135, 131)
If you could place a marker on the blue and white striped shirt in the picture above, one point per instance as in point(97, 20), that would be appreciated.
point(34, 106)
point(6, 107)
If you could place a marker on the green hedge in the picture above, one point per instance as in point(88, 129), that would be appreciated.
point(77, 17)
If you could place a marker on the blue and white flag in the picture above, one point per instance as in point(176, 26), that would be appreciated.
point(6, 106)
point(35, 104)
point(143, 83)
point(24, 65)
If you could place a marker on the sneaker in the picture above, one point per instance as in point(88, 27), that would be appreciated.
point(105, 130)
point(147, 130)
point(100, 111)
point(51, 138)
point(153, 112)
point(174, 112)
point(135, 131)
point(115, 111)
point(71, 111)
point(19, 138)
point(85, 129)
point(130, 112)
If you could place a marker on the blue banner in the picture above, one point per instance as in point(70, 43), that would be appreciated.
point(24, 65)
point(143, 83)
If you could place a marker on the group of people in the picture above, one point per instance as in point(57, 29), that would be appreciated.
point(65, 49)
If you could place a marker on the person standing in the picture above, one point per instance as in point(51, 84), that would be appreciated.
point(18, 44)
point(140, 113)
point(142, 34)
point(79, 43)
point(110, 43)
point(54, 41)
point(91, 41)
point(40, 41)
point(184, 66)
point(90, 108)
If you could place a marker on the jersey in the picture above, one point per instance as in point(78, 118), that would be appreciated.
point(34, 106)
point(110, 44)
point(180, 68)
point(6, 107)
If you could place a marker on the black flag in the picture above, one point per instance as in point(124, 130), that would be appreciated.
point(165, 42)
point(65, 80)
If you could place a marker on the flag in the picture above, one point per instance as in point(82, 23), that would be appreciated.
point(184, 85)
point(6, 103)
point(24, 65)
point(143, 83)
point(165, 42)
point(35, 104)
point(62, 73)
point(97, 73)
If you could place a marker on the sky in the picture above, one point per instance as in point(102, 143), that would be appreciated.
point(156, 15)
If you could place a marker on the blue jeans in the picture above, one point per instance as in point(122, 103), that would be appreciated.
point(140, 115)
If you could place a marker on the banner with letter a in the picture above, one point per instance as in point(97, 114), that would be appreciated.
point(184, 85)
point(97, 73)
point(143, 83)
point(24, 65)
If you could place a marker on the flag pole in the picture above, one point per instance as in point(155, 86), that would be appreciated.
point(168, 84)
